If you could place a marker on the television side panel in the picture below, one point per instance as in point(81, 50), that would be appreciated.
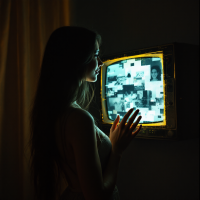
point(187, 89)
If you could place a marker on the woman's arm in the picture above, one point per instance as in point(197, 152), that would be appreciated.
point(94, 185)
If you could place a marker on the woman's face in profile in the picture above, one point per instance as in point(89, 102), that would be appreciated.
point(154, 73)
point(94, 66)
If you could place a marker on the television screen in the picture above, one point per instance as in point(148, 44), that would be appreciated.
point(136, 83)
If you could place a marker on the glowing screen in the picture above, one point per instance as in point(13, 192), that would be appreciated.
point(136, 83)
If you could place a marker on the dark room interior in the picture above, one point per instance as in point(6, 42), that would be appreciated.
point(150, 169)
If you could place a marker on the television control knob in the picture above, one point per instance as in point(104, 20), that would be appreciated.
point(170, 133)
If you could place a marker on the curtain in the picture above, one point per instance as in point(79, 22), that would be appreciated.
point(25, 26)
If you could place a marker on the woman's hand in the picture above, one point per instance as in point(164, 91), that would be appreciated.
point(120, 136)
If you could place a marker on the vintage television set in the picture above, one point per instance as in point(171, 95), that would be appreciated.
point(162, 82)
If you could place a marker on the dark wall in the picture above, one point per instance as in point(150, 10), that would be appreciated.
point(130, 24)
point(149, 169)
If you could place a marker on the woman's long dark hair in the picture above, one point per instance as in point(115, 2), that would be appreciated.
point(64, 66)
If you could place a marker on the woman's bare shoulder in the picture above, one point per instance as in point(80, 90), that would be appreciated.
point(79, 114)
point(76, 120)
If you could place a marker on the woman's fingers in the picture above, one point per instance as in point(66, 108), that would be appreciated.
point(134, 126)
point(115, 124)
point(136, 132)
point(126, 116)
point(132, 118)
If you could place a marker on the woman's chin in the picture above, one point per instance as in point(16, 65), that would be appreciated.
point(92, 79)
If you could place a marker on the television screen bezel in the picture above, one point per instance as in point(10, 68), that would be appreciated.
point(169, 131)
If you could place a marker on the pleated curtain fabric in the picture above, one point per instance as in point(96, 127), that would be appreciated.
point(25, 26)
